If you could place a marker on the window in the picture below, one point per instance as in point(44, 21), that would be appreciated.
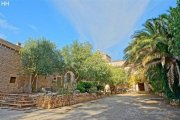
point(12, 79)
point(54, 80)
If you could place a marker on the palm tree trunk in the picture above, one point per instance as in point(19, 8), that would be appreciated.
point(178, 71)
point(170, 76)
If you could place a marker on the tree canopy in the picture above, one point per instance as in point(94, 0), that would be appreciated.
point(39, 56)
point(96, 69)
point(74, 56)
point(118, 76)
point(79, 58)
point(157, 46)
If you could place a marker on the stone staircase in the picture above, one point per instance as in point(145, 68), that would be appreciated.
point(16, 100)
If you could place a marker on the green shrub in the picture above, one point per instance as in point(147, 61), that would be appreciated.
point(80, 88)
point(100, 87)
point(88, 87)
point(93, 89)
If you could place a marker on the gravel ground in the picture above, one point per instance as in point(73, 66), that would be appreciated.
point(118, 107)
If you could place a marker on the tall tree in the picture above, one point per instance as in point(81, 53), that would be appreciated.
point(174, 25)
point(74, 56)
point(152, 46)
point(40, 57)
point(118, 76)
point(96, 69)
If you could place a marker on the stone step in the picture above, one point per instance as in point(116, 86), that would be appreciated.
point(16, 100)
point(23, 102)
point(23, 105)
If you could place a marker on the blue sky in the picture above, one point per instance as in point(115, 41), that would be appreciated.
point(106, 24)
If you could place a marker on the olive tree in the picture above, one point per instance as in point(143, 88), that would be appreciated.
point(40, 57)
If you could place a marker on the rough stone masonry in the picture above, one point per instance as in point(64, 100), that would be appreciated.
point(12, 77)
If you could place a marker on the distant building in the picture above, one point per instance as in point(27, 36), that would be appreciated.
point(140, 86)
point(106, 57)
point(117, 63)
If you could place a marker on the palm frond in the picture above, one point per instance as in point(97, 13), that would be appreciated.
point(153, 63)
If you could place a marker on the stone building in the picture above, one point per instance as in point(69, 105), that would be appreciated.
point(12, 77)
point(105, 57)
point(10, 67)
point(117, 63)
point(140, 86)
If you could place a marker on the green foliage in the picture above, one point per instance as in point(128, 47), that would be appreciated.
point(89, 66)
point(158, 42)
point(74, 56)
point(100, 87)
point(174, 25)
point(86, 65)
point(39, 56)
point(88, 87)
point(155, 77)
point(118, 76)
point(96, 69)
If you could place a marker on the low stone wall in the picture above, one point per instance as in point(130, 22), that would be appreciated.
point(54, 101)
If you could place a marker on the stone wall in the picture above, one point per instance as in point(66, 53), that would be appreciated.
point(45, 82)
point(54, 101)
point(12, 79)
point(41, 82)
point(10, 66)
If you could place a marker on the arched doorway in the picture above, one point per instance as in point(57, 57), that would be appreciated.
point(69, 81)
point(141, 86)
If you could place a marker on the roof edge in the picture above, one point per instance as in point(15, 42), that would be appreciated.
point(9, 45)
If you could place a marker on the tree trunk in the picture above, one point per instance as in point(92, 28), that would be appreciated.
point(178, 71)
point(36, 83)
point(30, 84)
point(33, 79)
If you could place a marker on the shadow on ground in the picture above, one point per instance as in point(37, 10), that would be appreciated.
point(119, 107)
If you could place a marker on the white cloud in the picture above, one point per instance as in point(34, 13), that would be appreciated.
point(4, 24)
point(33, 27)
point(106, 22)
point(3, 36)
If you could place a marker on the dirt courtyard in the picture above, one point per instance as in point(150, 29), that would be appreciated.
point(118, 107)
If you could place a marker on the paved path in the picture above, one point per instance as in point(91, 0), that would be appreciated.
point(119, 107)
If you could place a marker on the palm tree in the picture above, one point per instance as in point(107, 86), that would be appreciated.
point(150, 47)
